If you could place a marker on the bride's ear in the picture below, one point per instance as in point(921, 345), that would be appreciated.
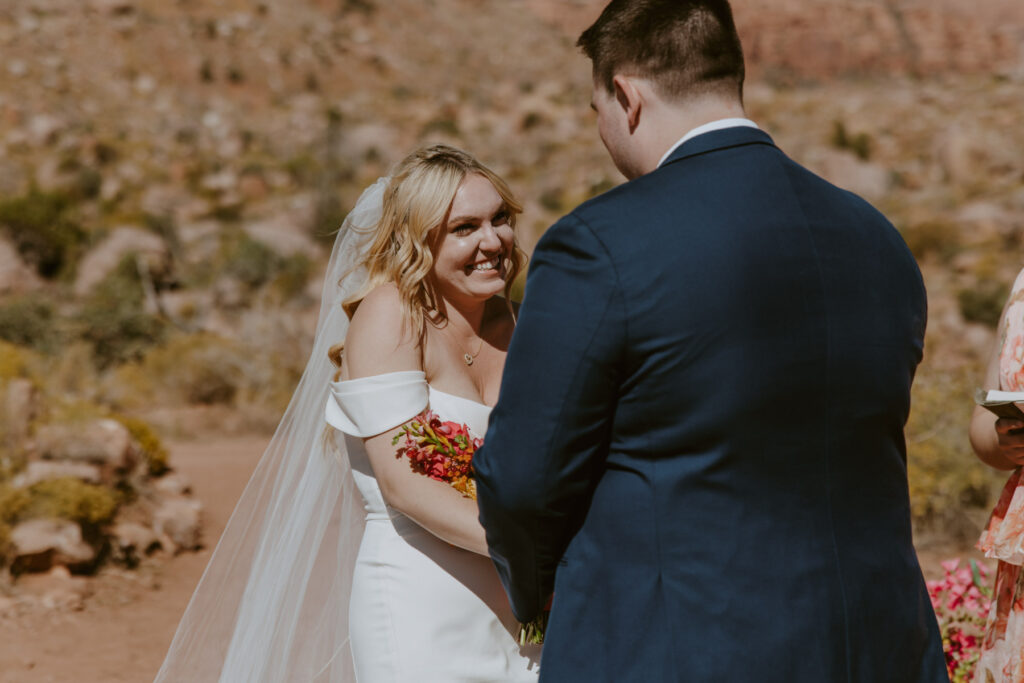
point(628, 96)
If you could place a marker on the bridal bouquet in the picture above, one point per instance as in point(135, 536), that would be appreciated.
point(443, 451)
point(440, 450)
point(961, 600)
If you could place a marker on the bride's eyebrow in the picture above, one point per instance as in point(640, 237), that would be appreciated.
point(463, 219)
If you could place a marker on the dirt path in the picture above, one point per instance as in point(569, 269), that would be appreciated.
point(124, 630)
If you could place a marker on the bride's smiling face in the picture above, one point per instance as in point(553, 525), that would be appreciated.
point(471, 255)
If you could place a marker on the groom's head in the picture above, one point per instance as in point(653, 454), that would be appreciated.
point(685, 53)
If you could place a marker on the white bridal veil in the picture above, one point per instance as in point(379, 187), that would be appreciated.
point(272, 605)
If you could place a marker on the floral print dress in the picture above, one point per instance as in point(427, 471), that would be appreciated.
point(1002, 650)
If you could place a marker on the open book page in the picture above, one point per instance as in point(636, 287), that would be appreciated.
point(1002, 403)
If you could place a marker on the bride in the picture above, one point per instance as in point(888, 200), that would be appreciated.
point(340, 563)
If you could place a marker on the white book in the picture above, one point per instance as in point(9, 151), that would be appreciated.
point(1002, 403)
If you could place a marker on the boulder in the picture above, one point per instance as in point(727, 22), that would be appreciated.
point(101, 442)
point(45, 470)
point(39, 544)
point(177, 523)
point(131, 541)
point(283, 234)
point(45, 129)
point(173, 484)
point(105, 257)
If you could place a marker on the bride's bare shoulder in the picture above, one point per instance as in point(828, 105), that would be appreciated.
point(379, 337)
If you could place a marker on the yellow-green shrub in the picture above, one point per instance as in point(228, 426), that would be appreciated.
point(153, 451)
point(72, 499)
point(950, 489)
point(14, 361)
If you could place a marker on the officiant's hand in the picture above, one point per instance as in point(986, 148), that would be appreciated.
point(1010, 435)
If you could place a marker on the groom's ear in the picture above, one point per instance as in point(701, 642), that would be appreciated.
point(628, 97)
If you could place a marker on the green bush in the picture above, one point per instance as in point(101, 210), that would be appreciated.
point(153, 450)
point(72, 499)
point(251, 261)
point(13, 503)
point(292, 276)
point(950, 489)
point(984, 302)
point(194, 369)
point(29, 320)
point(113, 319)
point(14, 361)
point(859, 143)
point(38, 224)
point(932, 237)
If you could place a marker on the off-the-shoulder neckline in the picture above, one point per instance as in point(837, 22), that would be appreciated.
point(415, 374)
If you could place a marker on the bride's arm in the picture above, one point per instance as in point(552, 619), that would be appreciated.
point(377, 342)
point(998, 442)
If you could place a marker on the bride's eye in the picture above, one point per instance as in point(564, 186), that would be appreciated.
point(500, 218)
point(463, 229)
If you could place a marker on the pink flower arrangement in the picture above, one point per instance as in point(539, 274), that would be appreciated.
point(440, 450)
point(961, 601)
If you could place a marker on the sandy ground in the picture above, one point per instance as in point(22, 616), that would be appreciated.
point(128, 621)
point(127, 624)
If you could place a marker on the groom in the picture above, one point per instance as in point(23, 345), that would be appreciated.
point(698, 446)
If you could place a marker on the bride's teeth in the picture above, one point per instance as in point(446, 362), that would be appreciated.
point(489, 265)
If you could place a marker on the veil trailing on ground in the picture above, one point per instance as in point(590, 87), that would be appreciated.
point(272, 605)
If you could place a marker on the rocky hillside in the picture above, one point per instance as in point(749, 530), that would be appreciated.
point(171, 172)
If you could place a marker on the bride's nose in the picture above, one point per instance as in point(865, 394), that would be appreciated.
point(489, 240)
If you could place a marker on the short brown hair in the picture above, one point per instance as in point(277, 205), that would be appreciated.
point(687, 48)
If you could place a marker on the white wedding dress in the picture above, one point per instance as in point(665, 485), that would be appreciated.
point(420, 609)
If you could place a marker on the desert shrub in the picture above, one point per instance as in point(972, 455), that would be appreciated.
point(14, 361)
point(198, 368)
point(29, 320)
point(13, 503)
point(39, 226)
point(932, 237)
point(983, 303)
point(858, 143)
point(72, 499)
point(251, 261)
point(113, 319)
point(153, 450)
point(255, 264)
point(292, 276)
point(950, 489)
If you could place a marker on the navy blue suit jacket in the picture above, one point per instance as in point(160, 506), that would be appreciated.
point(698, 444)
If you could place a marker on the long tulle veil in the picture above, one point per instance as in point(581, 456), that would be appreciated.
point(272, 605)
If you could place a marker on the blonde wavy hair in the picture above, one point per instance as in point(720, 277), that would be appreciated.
point(416, 206)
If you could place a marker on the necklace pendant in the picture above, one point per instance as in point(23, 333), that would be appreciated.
point(468, 358)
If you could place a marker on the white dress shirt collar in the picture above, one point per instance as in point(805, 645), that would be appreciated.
point(707, 128)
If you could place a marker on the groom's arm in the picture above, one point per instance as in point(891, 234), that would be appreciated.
point(549, 434)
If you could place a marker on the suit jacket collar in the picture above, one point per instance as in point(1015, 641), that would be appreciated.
point(719, 139)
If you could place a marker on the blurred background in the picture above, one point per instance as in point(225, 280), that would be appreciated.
point(172, 171)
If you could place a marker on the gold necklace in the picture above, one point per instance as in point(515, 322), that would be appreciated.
point(468, 358)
